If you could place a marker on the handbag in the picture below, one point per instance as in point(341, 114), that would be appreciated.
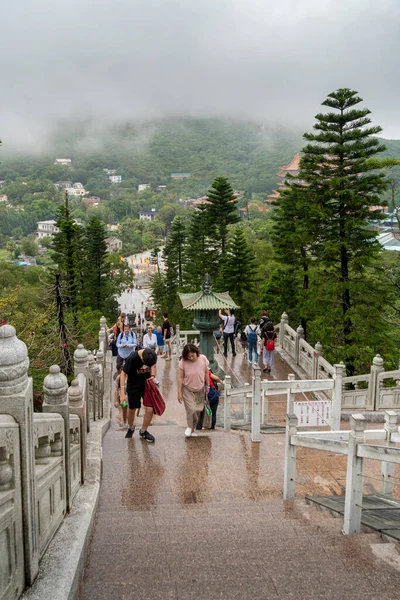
point(206, 415)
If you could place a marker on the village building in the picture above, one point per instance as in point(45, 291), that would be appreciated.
point(143, 186)
point(113, 244)
point(63, 162)
point(91, 201)
point(112, 226)
point(179, 176)
point(115, 178)
point(161, 188)
point(46, 229)
point(63, 185)
point(147, 215)
point(3, 198)
point(76, 190)
point(110, 171)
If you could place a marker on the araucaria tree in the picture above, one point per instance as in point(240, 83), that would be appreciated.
point(201, 256)
point(222, 210)
point(239, 270)
point(96, 286)
point(338, 179)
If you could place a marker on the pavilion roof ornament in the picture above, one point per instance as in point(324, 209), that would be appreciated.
point(206, 298)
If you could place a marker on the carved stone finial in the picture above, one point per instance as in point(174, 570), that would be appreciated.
point(14, 362)
point(80, 355)
point(91, 360)
point(55, 386)
point(300, 331)
point(75, 393)
point(99, 356)
point(207, 284)
point(318, 348)
point(378, 361)
point(103, 323)
point(284, 317)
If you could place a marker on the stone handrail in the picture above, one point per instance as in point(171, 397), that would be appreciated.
point(312, 365)
point(43, 455)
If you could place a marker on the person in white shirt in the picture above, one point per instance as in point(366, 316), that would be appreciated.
point(150, 341)
point(252, 332)
point(228, 330)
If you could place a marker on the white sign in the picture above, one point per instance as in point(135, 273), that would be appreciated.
point(313, 413)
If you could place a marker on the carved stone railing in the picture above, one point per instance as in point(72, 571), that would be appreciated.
point(371, 391)
point(43, 455)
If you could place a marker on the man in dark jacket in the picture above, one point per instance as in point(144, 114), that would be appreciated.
point(264, 320)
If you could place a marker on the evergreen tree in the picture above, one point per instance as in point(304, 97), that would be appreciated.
point(96, 282)
point(222, 210)
point(239, 270)
point(66, 254)
point(201, 256)
point(342, 187)
point(174, 253)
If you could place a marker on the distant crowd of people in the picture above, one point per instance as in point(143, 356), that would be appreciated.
point(136, 368)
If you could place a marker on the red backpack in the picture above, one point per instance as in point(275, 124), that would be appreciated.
point(269, 344)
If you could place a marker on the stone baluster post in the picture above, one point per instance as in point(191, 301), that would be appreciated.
point(227, 403)
point(16, 400)
point(340, 371)
point(373, 388)
point(300, 336)
point(289, 478)
point(282, 329)
point(77, 407)
point(290, 396)
point(103, 335)
point(355, 476)
point(55, 389)
point(81, 361)
point(91, 387)
point(177, 339)
point(387, 468)
point(96, 391)
point(255, 406)
point(318, 351)
point(100, 382)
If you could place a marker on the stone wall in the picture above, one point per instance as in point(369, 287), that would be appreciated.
point(43, 456)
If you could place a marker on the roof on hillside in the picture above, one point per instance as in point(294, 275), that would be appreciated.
point(294, 165)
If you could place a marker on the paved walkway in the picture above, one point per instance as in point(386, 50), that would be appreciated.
point(203, 518)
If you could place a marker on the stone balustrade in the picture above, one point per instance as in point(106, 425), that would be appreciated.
point(43, 455)
point(371, 391)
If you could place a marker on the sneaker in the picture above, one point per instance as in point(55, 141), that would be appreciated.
point(250, 363)
point(129, 433)
point(188, 432)
point(145, 435)
point(194, 434)
point(234, 354)
point(168, 358)
point(156, 382)
point(225, 356)
point(265, 370)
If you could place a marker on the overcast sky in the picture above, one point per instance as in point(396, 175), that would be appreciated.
point(272, 60)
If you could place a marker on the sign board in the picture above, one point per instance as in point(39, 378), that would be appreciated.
point(313, 413)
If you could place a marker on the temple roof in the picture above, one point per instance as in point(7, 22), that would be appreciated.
point(206, 299)
point(294, 165)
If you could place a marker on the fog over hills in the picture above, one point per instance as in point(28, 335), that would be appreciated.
point(132, 61)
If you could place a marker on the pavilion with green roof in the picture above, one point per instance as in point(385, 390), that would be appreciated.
point(205, 304)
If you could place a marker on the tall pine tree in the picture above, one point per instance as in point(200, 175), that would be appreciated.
point(222, 209)
point(96, 287)
point(342, 188)
point(201, 256)
point(239, 271)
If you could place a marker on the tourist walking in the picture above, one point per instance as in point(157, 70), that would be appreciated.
point(167, 333)
point(116, 329)
point(160, 341)
point(228, 330)
point(138, 367)
point(193, 385)
point(213, 400)
point(269, 336)
point(126, 343)
point(122, 407)
point(150, 341)
point(252, 331)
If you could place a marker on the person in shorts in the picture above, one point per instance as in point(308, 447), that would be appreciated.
point(166, 329)
point(138, 367)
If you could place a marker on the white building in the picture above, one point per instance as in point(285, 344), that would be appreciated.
point(110, 171)
point(76, 190)
point(46, 229)
point(115, 178)
point(63, 185)
point(113, 244)
point(63, 162)
point(143, 186)
point(147, 215)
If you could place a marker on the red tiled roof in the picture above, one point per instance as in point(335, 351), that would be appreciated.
point(294, 165)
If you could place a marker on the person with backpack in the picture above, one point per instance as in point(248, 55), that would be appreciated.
point(263, 321)
point(269, 337)
point(229, 329)
point(126, 343)
point(252, 331)
point(213, 400)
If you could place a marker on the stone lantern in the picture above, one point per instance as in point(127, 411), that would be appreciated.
point(206, 305)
